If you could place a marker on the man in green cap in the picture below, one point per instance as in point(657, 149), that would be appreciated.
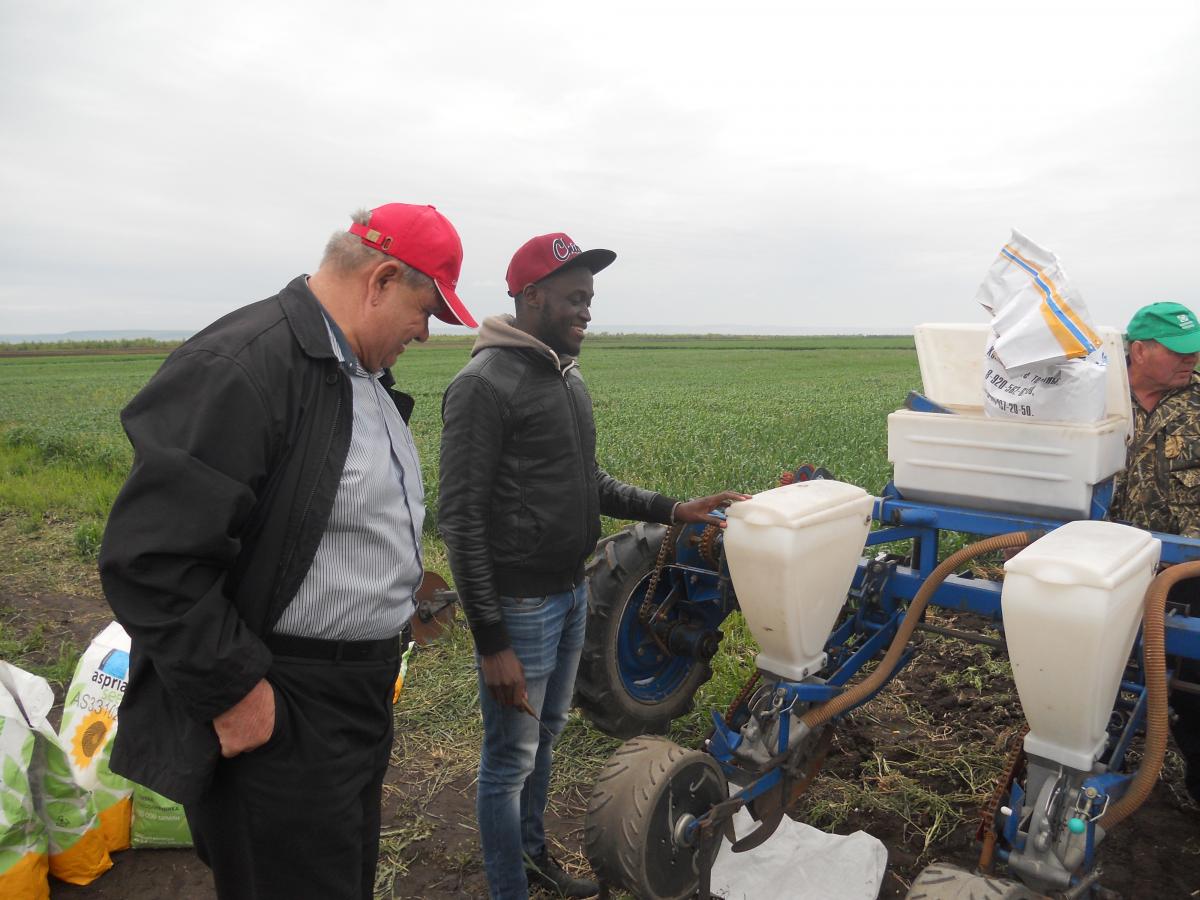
point(1160, 487)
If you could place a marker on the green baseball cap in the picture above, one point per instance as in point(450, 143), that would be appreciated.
point(1171, 324)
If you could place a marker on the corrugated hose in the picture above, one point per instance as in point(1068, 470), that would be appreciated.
point(819, 715)
point(1155, 660)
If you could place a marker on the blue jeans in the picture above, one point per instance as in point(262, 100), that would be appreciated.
point(514, 765)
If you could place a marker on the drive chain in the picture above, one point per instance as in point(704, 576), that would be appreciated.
point(987, 812)
point(708, 545)
point(647, 612)
point(742, 697)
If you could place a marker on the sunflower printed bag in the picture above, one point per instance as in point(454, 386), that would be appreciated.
point(88, 724)
point(77, 853)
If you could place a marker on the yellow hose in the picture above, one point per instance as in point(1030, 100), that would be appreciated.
point(1155, 657)
point(819, 715)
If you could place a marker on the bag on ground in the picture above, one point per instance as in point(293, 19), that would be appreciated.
point(23, 844)
point(157, 821)
point(77, 853)
point(88, 724)
point(1044, 360)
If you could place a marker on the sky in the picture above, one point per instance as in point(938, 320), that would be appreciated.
point(758, 167)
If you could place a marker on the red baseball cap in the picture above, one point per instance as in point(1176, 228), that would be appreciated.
point(421, 237)
point(546, 254)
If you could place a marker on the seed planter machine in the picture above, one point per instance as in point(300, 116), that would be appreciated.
point(1092, 643)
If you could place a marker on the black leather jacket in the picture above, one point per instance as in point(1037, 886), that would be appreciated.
point(520, 491)
point(239, 442)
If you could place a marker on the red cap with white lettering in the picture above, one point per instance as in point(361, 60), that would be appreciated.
point(545, 254)
point(421, 237)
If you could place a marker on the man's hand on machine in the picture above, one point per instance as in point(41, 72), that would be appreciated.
point(699, 511)
point(249, 723)
point(504, 677)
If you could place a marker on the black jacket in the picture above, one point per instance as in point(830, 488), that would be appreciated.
point(239, 441)
point(520, 494)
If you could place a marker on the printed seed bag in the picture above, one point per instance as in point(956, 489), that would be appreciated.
point(23, 844)
point(157, 821)
point(77, 851)
point(1044, 359)
point(88, 724)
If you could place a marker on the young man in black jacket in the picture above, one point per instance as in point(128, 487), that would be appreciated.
point(263, 556)
point(520, 503)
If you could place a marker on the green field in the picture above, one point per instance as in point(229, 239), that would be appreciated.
point(685, 416)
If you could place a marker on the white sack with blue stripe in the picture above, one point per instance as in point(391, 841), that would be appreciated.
point(1044, 359)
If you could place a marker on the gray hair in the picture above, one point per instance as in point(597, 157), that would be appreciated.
point(347, 253)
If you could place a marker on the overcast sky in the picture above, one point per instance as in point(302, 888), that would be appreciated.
point(764, 166)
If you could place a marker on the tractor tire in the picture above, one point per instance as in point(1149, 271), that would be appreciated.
point(942, 882)
point(621, 693)
point(640, 795)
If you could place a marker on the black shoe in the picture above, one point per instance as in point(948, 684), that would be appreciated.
point(544, 871)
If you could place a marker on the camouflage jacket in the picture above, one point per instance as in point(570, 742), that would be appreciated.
point(1160, 487)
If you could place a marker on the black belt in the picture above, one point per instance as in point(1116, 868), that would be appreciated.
point(335, 651)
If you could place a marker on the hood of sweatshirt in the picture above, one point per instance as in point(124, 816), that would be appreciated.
point(502, 331)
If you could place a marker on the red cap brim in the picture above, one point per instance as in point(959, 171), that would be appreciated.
point(453, 311)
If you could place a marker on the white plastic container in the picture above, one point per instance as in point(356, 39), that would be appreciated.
point(968, 459)
point(1072, 603)
point(792, 553)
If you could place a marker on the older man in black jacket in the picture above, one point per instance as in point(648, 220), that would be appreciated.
point(520, 503)
point(264, 554)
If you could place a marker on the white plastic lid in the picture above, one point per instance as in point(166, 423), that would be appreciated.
point(1093, 554)
point(803, 503)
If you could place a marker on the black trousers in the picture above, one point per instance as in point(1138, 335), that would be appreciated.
point(299, 817)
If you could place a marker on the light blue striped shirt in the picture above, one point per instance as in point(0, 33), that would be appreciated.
point(368, 566)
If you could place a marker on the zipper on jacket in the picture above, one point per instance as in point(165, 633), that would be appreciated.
point(582, 461)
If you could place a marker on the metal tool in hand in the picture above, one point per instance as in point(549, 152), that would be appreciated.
point(524, 707)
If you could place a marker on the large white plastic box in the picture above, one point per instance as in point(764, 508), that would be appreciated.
point(1008, 465)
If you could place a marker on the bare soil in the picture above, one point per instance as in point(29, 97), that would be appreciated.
point(1156, 854)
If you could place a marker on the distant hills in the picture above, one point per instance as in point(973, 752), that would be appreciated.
point(437, 328)
point(114, 335)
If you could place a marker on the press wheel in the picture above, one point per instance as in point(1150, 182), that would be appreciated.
point(638, 813)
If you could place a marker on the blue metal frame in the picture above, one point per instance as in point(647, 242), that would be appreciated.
point(865, 632)
point(697, 595)
point(905, 520)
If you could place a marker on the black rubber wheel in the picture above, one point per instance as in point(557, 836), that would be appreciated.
point(626, 686)
point(640, 796)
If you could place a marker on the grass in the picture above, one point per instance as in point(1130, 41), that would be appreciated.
point(41, 556)
point(36, 650)
point(685, 416)
point(393, 842)
point(976, 676)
